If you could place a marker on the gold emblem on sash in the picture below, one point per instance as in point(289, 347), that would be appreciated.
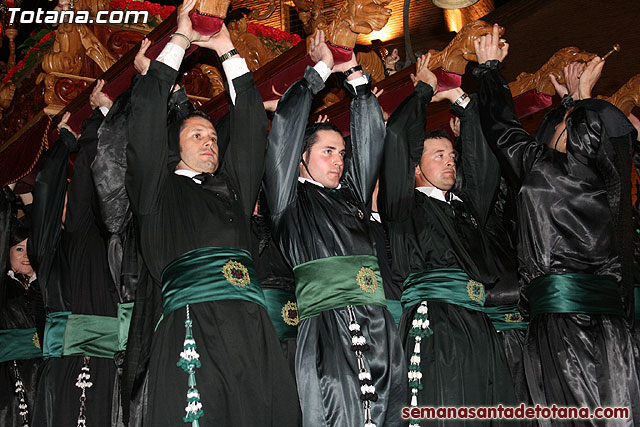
point(36, 340)
point(475, 291)
point(515, 317)
point(367, 280)
point(290, 313)
point(236, 273)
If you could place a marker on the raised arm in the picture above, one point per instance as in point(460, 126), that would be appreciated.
point(248, 123)
point(517, 150)
point(479, 164)
point(403, 147)
point(48, 199)
point(286, 137)
point(82, 189)
point(367, 135)
point(147, 149)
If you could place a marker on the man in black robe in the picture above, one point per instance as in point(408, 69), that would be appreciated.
point(82, 328)
point(195, 237)
point(575, 245)
point(440, 251)
point(349, 366)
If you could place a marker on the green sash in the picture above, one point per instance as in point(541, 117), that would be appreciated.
point(19, 344)
point(54, 333)
point(125, 311)
point(395, 308)
point(506, 317)
point(334, 282)
point(283, 312)
point(575, 293)
point(450, 285)
point(68, 334)
point(90, 335)
point(210, 274)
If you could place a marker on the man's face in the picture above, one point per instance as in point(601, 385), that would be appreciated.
point(198, 146)
point(437, 164)
point(326, 159)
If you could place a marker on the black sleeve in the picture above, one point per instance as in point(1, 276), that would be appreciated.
point(480, 167)
point(244, 157)
point(148, 146)
point(48, 200)
point(517, 150)
point(367, 142)
point(286, 139)
point(81, 189)
point(402, 149)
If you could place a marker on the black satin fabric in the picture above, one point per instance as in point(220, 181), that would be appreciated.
point(392, 289)
point(273, 273)
point(244, 381)
point(29, 371)
point(426, 233)
point(312, 222)
point(501, 234)
point(19, 311)
point(513, 342)
point(566, 223)
point(574, 217)
point(327, 369)
point(462, 363)
point(584, 361)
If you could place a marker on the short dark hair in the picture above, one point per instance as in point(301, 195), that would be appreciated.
point(311, 134)
point(195, 113)
point(438, 134)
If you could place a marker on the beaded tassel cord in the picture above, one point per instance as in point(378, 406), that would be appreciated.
point(83, 383)
point(22, 401)
point(189, 362)
point(367, 389)
point(419, 329)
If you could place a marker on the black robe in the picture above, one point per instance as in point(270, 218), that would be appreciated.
point(574, 217)
point(274, 273)
point(311, 222)
point(19, 309)
point(462, 363)
point(244, 380)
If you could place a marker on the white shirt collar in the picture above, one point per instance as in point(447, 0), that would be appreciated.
point(375, 216)
point(436, 193)
point(11, 274)
point(188, 173)
point(303, 180)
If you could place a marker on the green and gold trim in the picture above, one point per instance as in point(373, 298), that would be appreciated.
point(336, 282)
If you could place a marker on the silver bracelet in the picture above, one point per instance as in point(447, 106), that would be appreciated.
point(460, 99)
point(184, 37)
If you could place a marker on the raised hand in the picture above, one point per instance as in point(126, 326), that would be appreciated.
point(220, 41)
point(572, 72)
point(488, 47)
point(454, 124)
point(141, 62)
point(590, 77)
point(63, 124)
point(424, 74)
point(319, 51)
point(98, 98)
